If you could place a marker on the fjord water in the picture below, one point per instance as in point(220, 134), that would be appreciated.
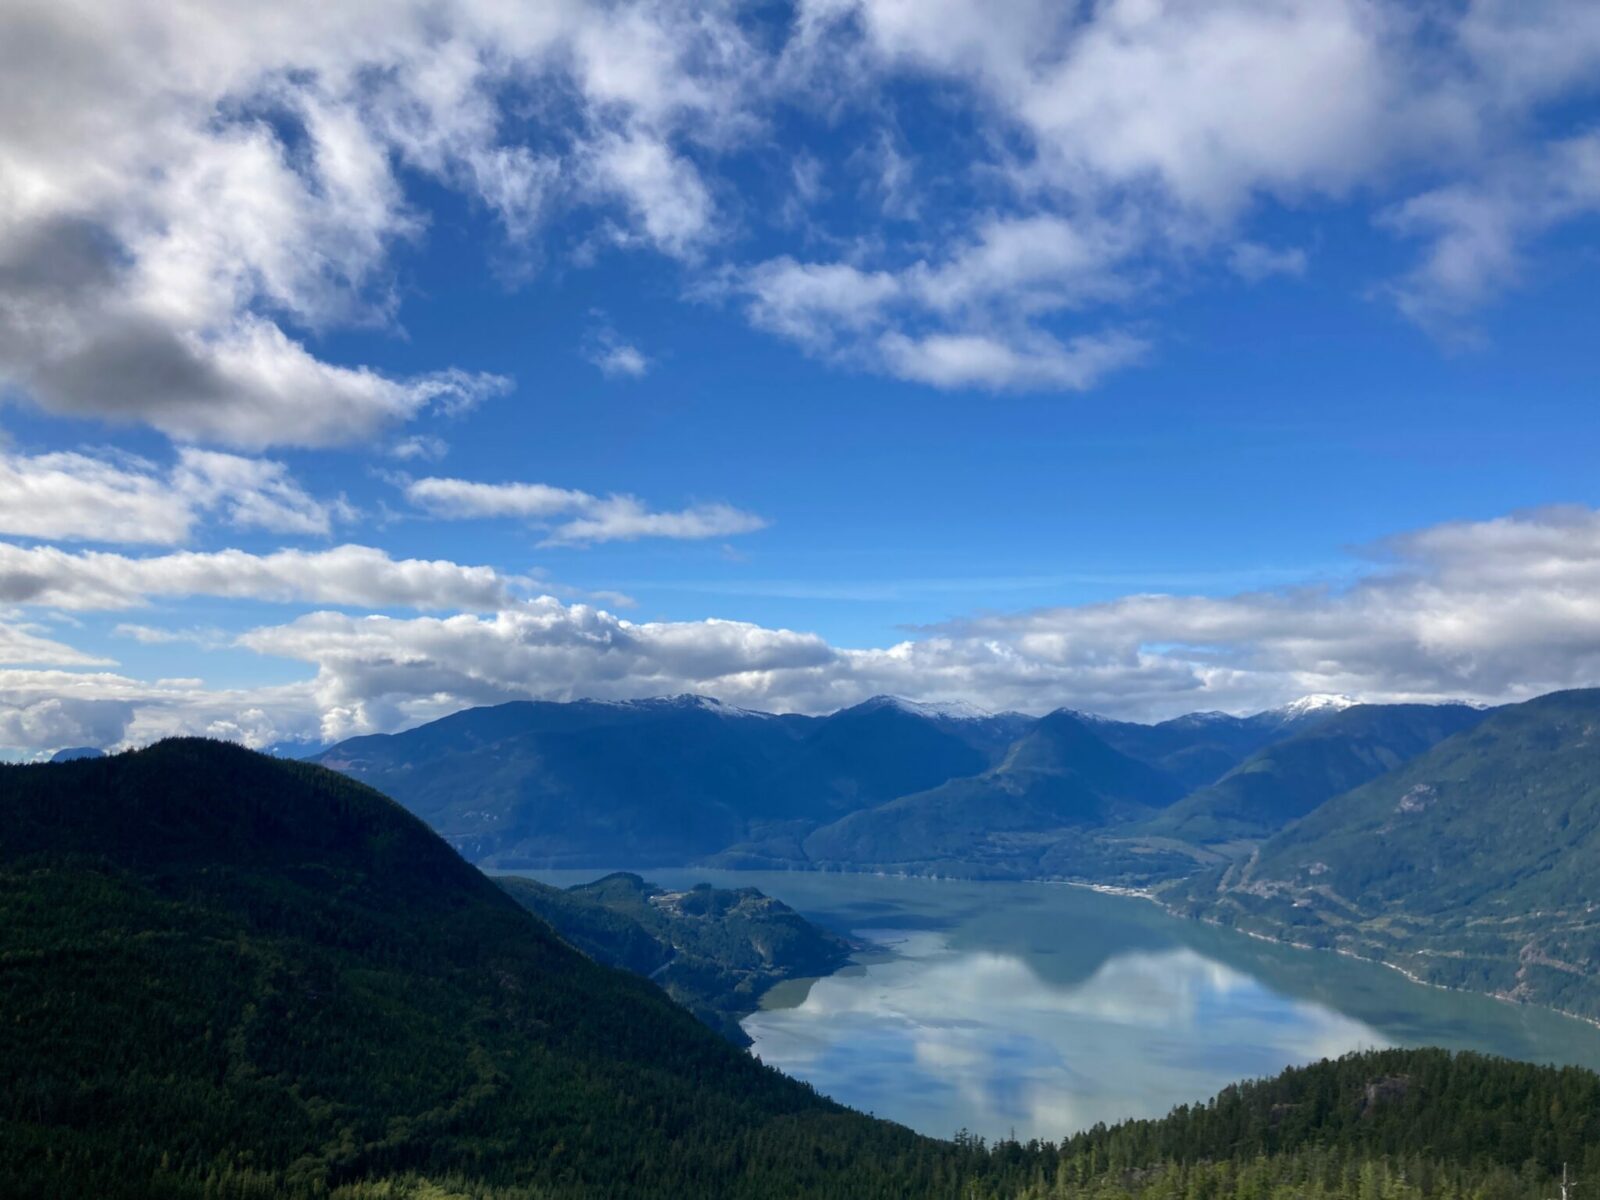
point(1039, 1009)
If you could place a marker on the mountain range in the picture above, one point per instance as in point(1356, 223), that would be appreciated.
point(1452, 841)
point(888, 784)
point(225, 976)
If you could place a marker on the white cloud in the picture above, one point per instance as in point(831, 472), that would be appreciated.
point(24, 643)
point(662, 189)
point(185, 196)
point(189, 202)
point(55, 723)
point(253, 493)
point(814, 302)
point(419, 446)
point(966, 320)
point(1253, 262)
point(1035, 360)
point(575, 517)
point(375, 672)
point(42, 710)
point(1174, 123)
point(76, 497)
point(468, 498)
point(1477, 231)
point(1492, 611)
point(615, 357)
point(353, 575)
point(624, 518)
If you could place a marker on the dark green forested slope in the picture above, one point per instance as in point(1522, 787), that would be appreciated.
point(1476, 865)
point(1287, 779)
point(228, 975)
point(1383, 1125)
point(223, 975)
point(713, 950)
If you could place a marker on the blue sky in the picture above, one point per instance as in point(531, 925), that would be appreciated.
point(1139, 356)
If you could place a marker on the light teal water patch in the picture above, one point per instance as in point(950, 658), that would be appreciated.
point(1040, 1009)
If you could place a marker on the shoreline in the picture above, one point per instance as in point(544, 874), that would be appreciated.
point(1404, 972)
point(1112, 889)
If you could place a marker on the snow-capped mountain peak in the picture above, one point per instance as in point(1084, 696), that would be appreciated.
point(949, 710)
point(1320, 702)
point(686, 700)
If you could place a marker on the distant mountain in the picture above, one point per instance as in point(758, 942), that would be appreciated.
point(887, 746)
point(1199, 748)
point(1473, 865)
point(1288, 778)
point(713, 950)
point(75, 753)
point(661, 781)
point(227, 975)
point(1024, 816)
point(688, 779)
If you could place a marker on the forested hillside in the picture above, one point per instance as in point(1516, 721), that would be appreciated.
point(227, 976)
point(713, 950)
point(224, 975)
point(1384, 1125)
point(1472, 866)
point(1029, 816)
point(1287, 779)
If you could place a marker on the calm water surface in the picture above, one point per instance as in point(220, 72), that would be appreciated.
point(1040, 1009)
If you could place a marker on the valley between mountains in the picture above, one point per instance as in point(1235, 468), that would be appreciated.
point(1451, 841)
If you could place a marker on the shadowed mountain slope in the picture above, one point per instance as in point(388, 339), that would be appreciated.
point(1026, 813)
point(228, 975)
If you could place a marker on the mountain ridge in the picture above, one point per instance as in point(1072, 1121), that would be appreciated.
point(1468, 866)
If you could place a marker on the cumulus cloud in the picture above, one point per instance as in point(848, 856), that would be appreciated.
point(1477, 231)
point(374, 672)
point(43, 710)
point(1171, 124)
point(616, 358)
point(967, 319)
point(55, 723)
point(77, 497)
point(184, 199)
point(25, 643)
point(420, 446)
point(188, 203)
point(574, 517)
point(355, 575)
point(1489, 611)
point(74, 496)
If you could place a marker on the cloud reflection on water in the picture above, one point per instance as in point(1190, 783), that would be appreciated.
point(940, 1038)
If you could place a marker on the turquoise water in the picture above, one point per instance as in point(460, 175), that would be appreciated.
point(1039, 1009)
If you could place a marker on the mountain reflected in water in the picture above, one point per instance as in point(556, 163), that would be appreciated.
point(1042, 1008)
point(940, 1038)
